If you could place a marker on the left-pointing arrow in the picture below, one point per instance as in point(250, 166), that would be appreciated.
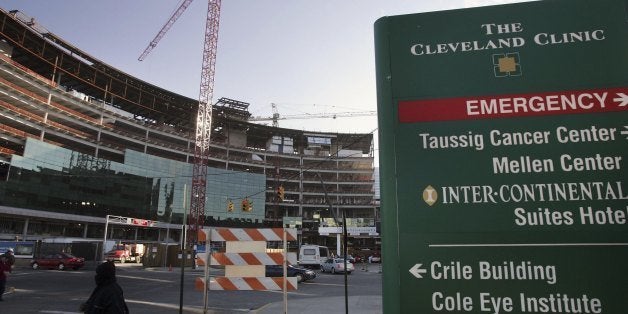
point(416, 271)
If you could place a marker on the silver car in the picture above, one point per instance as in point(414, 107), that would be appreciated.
point(336, 265)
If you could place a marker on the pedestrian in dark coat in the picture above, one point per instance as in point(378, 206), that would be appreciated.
point(5, 269)
point(107, 297)
point(10, 256)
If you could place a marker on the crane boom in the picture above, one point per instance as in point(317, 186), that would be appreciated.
point(335, 115)
point(165, 29)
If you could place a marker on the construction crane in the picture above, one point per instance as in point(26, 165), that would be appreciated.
point(196, 217)
point(175, 16)
point(276, 116)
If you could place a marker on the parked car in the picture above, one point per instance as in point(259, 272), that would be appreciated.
point(126, 253)
point(375, 258)
point(302, 274)
point(336, 265)
point(59, 261)
point(350, 258)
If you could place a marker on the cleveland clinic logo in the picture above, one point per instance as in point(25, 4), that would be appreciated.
point(507, 64)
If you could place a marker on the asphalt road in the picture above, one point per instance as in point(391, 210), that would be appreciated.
point(158, 290)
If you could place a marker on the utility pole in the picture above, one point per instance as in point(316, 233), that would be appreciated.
point(344, 241)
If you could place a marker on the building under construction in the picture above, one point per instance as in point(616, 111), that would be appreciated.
point(80, 140)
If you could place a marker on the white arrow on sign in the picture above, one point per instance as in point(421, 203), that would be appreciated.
point(416, 271)
point(623, 98)
point(624, 132)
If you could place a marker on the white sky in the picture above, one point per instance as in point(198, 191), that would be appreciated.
point(306, 56)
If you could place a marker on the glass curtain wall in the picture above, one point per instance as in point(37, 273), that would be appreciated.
point(51, 178)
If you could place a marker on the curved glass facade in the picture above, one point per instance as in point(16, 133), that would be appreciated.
point(56, 179)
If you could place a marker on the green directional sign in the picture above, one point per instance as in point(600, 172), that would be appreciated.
point(503, 141)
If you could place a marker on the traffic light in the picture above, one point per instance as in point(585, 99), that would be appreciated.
point(247, 205)
point(230, 206)
point(280, 193)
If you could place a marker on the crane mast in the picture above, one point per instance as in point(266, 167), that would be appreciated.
point(196, 217)
point(204, 120)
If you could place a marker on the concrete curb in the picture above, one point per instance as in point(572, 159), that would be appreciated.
point(366, 304)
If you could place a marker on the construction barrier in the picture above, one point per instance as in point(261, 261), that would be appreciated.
point(246, 258)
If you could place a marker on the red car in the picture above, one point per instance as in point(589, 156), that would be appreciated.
point(59, 261)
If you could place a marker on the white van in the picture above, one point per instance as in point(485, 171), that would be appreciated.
point(312, 255)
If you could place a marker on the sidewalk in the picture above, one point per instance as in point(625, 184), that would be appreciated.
point(371, 304)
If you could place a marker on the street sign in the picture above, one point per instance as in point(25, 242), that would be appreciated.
point(503, 140)
point(292, 222)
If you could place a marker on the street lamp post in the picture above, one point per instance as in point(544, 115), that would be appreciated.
point(167, 239)
point(183, 244)
point(104, 241)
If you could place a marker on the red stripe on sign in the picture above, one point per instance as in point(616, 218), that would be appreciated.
point(200, 261)
point(222, 259)
point(277, 258)
point(199, 284)
point(227, 234)
point(279, 282)
point(225, 283)
point(254, 283)
point(290, 236)
point(250, 259)
point(514, 105)
point(202, 236)
point(279, 233)
point(255, 234)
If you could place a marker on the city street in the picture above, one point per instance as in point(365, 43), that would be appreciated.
point(157, 290)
